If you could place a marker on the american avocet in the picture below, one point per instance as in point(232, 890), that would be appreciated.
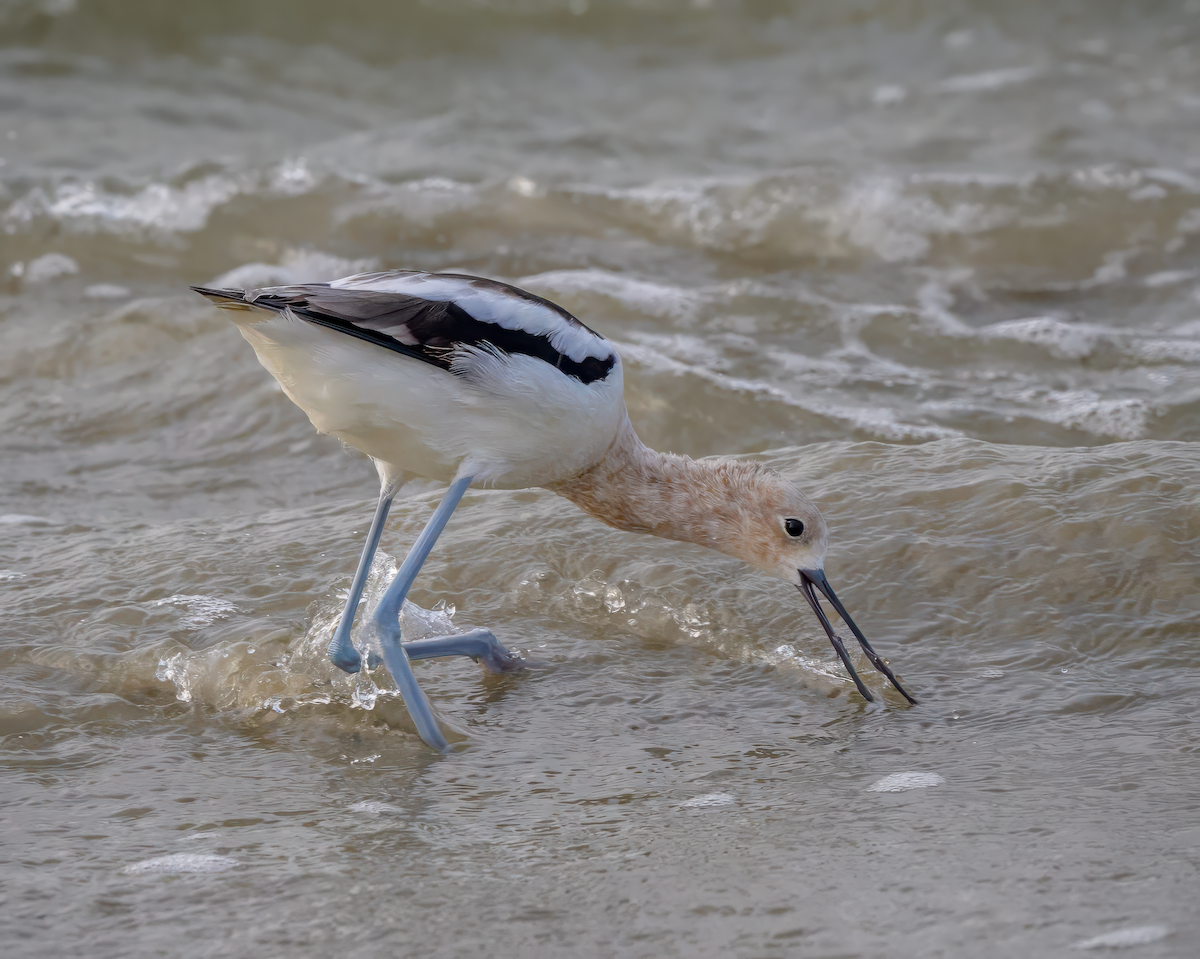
point(470, 381)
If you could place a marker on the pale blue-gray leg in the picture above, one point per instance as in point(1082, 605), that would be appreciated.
point(480, 644)
point(341, 650)
point(385, 620)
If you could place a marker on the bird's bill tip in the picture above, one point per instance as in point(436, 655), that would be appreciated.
point(814, 580)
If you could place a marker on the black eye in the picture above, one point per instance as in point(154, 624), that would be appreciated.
point(794, 527)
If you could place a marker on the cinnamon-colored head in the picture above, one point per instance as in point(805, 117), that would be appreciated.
point(772, 526)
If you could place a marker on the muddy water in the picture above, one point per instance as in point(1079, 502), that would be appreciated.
point(938, 263)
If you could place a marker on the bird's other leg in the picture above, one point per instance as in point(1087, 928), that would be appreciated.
point(385, 620)
point(480, 644)
point(341, 650)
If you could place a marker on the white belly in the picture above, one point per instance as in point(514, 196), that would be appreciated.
point(511, 421)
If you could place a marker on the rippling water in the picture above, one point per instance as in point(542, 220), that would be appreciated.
point(937, 262)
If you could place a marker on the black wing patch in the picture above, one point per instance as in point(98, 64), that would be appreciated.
point(426, 330)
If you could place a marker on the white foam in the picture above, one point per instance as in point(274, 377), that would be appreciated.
point(902, 782)
point(709, 800)
point(373, 807)
point(1169, 278)
point(1107, 176)
point(656, 299)
point(201, 610)
point(182, 862)
point(881, 214)
point(1064, 340)
point(959, 39)
point(888, 95)
point(24, 519)
point(686, 349)
point(789, 655)
point(988, 80)
point(295, 266)
point(1151, 191)
point(50, 266)
point(660, 362)
point(1084, 409)
point(1167, 350)
point(1123, 938)
point(292, 177)
point(723, 213)
point(86, 206)
point(883, 422)
point(1174, 178)
point(106, 291)
point(1190, 328)
point(422, 202)
point(525, 187)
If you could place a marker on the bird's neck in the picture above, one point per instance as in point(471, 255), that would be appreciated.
point(640, 490)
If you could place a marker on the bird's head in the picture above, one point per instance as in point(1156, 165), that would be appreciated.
point(776, 528)
point(741, 509)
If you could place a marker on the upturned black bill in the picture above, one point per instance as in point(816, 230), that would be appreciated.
point(812, 580)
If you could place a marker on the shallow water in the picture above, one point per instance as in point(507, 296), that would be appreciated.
point(938, 263)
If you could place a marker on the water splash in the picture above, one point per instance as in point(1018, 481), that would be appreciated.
point(287, 673)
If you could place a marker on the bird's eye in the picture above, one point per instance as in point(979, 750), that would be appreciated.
point(794, 527)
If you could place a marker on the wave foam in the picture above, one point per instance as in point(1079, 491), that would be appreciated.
point(182, 862)
point(902, 782)
point(87, 207)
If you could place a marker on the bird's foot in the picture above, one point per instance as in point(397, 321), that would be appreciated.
point(348, 659)
point(479, 644)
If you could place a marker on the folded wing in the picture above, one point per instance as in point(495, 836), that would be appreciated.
point(432, 316)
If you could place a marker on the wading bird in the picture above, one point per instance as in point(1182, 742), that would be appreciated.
point(474, 382)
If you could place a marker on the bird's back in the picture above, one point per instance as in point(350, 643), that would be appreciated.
point(425, 371)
